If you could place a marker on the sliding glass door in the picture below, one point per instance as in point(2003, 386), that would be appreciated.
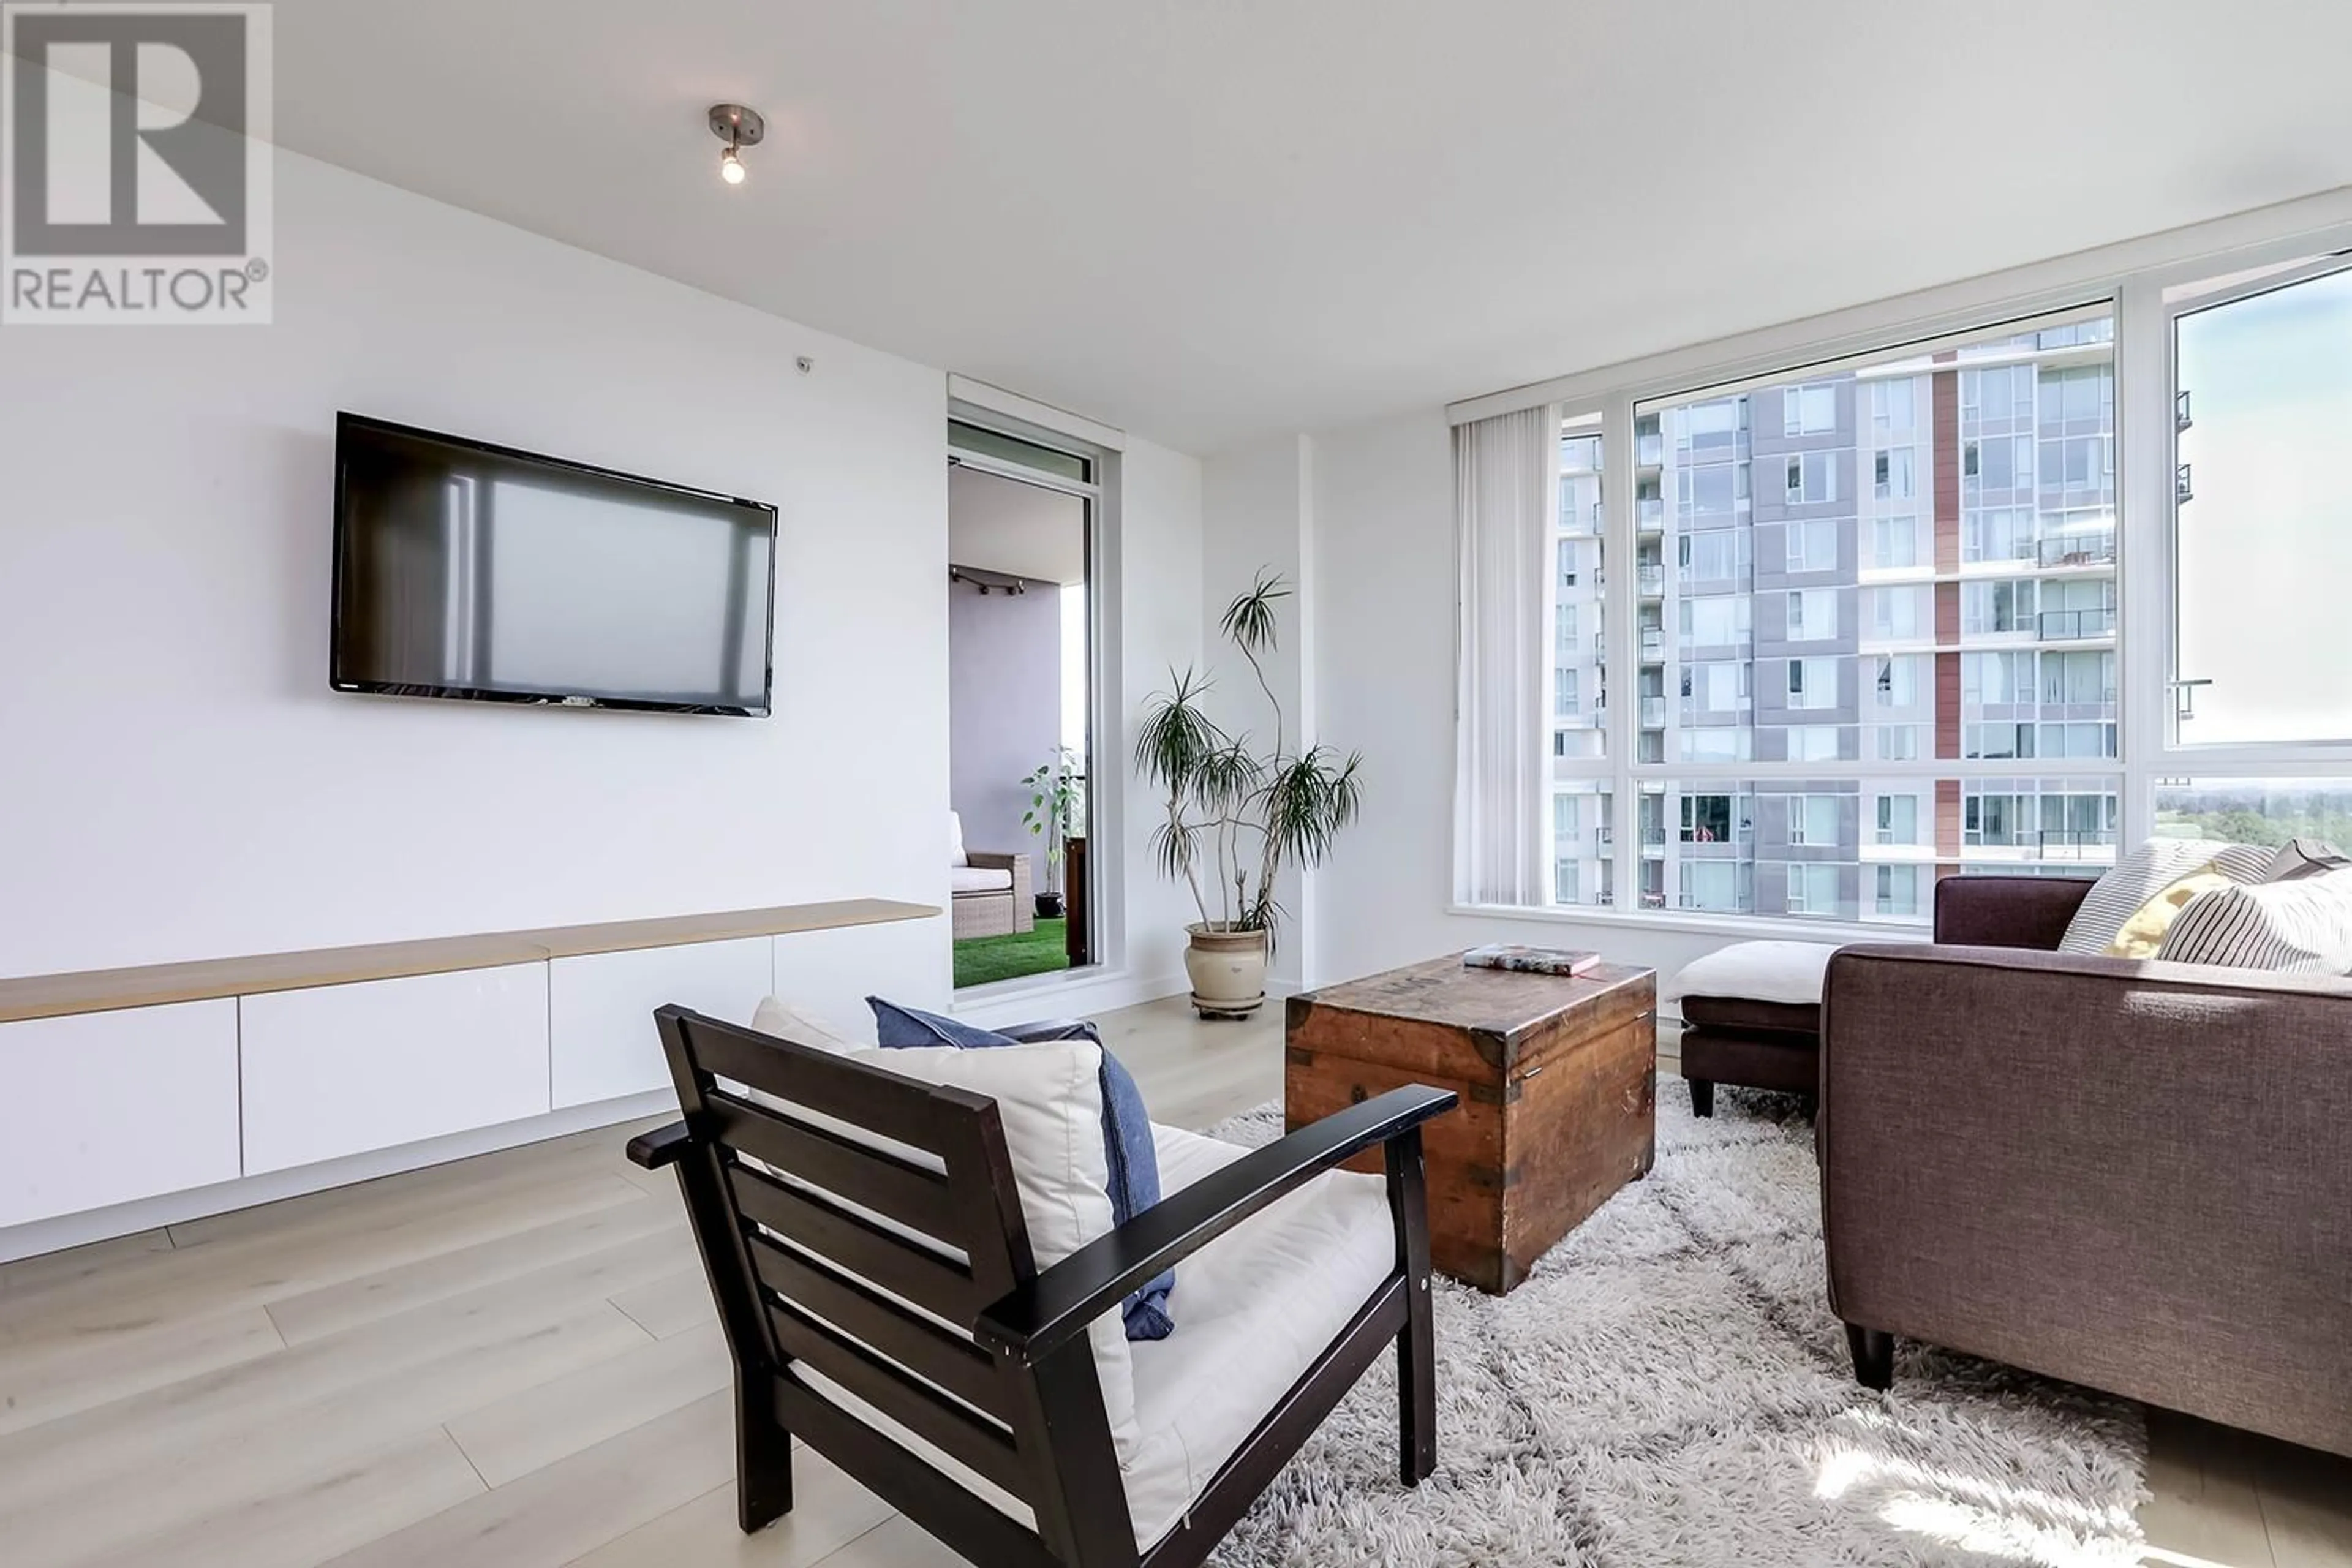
point(1021, 647)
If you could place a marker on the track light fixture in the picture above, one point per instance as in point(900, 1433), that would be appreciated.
point(739, 128)
point(988, 582)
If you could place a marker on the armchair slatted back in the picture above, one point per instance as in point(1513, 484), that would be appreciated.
point(867, 1249)
point(854, 1224)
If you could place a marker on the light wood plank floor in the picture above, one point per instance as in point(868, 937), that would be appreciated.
point(513, 1362)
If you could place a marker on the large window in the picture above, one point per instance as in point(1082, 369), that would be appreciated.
point(1795, 674)
point(1965, 604)
point(1893, 542)
point(2263, 526)
point(1809, 410)
point(1812, 478)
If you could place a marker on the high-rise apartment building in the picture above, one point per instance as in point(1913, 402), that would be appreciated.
point(1900, 563)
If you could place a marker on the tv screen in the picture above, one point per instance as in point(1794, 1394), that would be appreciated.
point(470, 571)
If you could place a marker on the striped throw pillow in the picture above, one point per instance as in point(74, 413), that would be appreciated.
point(2145, 872)
point(2306, 857)
point(2302, 926)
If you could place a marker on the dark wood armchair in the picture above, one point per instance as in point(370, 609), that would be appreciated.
point(857, 1281)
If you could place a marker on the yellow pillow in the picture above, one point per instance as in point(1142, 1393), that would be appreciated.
point(2144, 932)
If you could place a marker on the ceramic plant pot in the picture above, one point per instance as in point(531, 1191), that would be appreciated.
point(1227, 969)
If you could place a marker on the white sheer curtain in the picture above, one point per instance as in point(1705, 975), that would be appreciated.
point(1506, 493)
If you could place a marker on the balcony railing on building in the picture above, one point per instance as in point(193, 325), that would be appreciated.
point(1649, 450)
point(1654, 712)
point(1650, 513)
point(2090, 547)
point(1651, 576)
point(2074, 626)
point(1653, 640)
point(1743, 904)
point(2048, 843)
point(2091, 843)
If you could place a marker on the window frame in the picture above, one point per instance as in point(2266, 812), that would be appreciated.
point(2130, 282)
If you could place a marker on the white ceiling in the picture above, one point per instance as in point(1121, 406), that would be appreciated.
point(1003, 525)
point(1204, 220)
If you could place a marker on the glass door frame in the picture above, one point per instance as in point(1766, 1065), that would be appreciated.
point(1089, 492)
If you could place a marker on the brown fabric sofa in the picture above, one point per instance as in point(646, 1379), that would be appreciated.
point(2133, 1175)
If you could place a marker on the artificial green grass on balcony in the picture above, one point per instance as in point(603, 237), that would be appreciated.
point(987, 958)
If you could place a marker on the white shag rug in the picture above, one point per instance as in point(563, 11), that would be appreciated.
point(1669, 1387)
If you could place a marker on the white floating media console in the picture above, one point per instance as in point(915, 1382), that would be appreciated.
point(122, 1086)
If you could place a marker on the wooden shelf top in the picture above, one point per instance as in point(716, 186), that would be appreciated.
point(149, 986)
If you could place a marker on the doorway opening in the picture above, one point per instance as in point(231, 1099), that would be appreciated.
point(1020, 661)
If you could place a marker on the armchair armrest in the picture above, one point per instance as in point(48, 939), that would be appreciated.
point(1040, 1317)
point(660, 1147)
point(2007, 911)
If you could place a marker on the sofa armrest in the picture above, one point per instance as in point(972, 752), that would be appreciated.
point(989, 860)
point(2133, 1174)
point(2007, 911)
point(1055, 1308)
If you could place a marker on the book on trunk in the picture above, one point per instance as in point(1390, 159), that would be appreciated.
point(1532, 960)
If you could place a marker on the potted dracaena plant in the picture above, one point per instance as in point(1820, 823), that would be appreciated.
point(1235, 817)
point(1058, 793)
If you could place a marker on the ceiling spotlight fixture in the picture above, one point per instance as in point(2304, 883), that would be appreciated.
point(739, 128)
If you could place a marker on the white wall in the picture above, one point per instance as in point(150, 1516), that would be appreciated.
point(178, 781)
point(1005, 708)
point(1256, 515)
point(1154, 542)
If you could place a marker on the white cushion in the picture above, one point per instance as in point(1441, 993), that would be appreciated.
point(2302, 926)
point(2147, 870)
point(1049, 1099)
point(1785, 972)
point(979, 879)
point(802, 1027)
point(1252, 1310)
point(956, 857)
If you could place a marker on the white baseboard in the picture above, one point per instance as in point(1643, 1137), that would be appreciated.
point(1062, 996)
point(175, 1208)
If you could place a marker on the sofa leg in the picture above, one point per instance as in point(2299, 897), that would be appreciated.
point(1874, 1356)
point(1702, 1096)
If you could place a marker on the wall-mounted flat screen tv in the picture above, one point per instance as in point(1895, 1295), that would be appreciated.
point(470, 571)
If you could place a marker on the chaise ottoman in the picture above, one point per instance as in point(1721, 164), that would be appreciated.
point(1751, 1016)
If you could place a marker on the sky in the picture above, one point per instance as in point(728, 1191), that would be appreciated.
point(2265, 547)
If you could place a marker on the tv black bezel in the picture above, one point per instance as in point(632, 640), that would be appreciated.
point(346, 422)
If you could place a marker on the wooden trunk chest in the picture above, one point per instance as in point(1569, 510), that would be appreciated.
point(1558, 1085)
